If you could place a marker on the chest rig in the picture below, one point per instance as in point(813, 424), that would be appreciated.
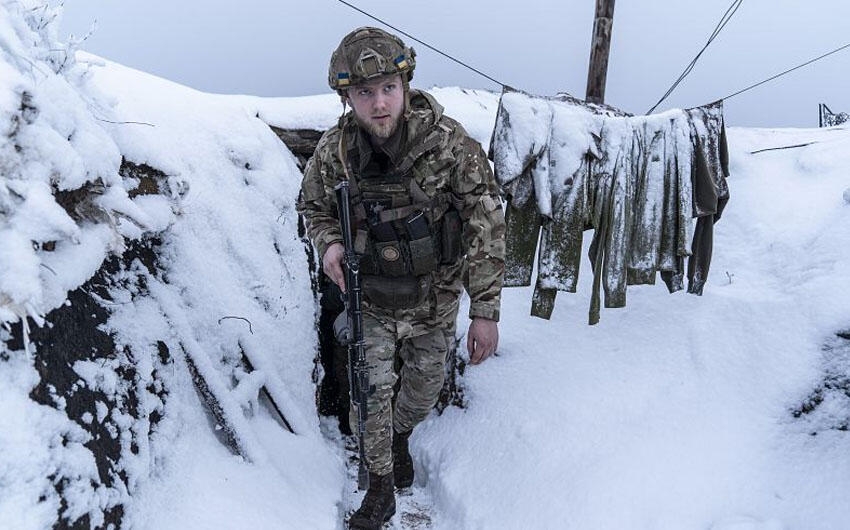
point(401, 233)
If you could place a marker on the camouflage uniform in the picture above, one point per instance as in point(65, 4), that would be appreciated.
point(446, 162)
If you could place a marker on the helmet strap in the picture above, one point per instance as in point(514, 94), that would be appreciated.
point(344, 100)
point(406, 87)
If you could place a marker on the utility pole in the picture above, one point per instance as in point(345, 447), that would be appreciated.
point(599, 47)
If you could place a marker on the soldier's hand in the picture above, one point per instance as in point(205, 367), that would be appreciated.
point(482, 339)
point(332, 264)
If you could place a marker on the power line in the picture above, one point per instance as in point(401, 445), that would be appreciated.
point(788, 71)
point(727, 16)
point(408, 35)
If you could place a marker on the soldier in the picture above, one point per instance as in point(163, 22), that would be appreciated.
point(428, 221)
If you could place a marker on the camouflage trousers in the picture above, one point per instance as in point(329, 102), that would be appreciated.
point(407, 370)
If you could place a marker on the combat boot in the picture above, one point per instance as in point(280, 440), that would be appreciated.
point(402, 461)
point(378, 505)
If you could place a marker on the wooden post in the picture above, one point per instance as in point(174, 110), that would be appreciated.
point(599, 47)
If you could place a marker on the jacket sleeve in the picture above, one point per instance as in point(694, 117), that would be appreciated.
point(317, 203)
point(476, 195)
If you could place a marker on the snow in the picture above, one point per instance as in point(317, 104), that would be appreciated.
point(236, 281)
point(53, 141)
point(36, 441)
point(676, 412)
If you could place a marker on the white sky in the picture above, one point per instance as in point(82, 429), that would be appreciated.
point(269, 48)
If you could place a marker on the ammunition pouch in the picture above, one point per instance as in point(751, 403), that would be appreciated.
point(400, 292)
point(423, 251)
point(389, 257)
point(451, 237)
point(411, 246)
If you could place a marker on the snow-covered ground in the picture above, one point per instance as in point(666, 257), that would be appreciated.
point(720, 412)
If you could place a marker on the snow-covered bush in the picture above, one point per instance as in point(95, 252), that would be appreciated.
point(62, 201)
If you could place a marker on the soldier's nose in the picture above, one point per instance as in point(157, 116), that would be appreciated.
point(380, 101)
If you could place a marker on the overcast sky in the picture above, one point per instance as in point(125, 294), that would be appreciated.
point(282, 48)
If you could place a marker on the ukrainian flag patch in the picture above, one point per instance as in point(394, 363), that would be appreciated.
point(401, 62)
point(343, 79)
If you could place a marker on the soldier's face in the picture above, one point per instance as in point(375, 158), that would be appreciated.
point(378, 106)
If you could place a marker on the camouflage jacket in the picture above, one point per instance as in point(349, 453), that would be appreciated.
point(449, 163)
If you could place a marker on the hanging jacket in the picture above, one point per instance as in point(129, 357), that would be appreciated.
point(637, 181)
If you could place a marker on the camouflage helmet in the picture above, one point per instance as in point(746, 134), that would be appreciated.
point(367, 53)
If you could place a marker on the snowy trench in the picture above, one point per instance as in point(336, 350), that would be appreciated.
point(158, 344)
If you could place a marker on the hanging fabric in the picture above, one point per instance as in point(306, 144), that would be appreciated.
point(638, 181)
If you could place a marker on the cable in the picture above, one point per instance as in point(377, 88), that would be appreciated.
point(788, 71)
point(727, 16)
point(408, 35)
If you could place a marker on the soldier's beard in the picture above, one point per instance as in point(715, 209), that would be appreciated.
point(380, 130)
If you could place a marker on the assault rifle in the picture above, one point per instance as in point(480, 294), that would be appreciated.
point(349, 331)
